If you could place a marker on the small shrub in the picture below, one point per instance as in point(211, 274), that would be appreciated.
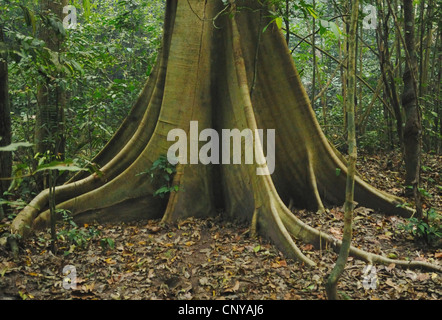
point(161, 173)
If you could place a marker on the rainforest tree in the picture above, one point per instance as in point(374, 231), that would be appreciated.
point(51, 99)
point(226, 65)
point(5, 120)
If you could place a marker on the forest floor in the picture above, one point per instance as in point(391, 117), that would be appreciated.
point(210, 259)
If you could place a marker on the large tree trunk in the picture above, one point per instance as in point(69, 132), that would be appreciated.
point(204, 74)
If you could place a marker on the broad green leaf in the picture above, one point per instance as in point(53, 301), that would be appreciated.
point(60, 165)
point(15, 146)
point(278, 22)
point(29, 18)
point(87, 9)
point(335, 29)
point(312, 12)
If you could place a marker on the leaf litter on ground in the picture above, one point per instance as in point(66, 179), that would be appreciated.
point(213, 259)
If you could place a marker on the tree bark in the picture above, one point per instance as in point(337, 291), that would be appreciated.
point(332, 281)
point(204, 74)
point(314, 64)
point(387, 70)
point(413, 126)
point(5, 123)
point(51, 100)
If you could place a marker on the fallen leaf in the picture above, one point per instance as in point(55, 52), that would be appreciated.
point(152, 229)
point(234, 288)
point(392, 256)
point(279, 263)
point(390, 267)
point(423, 277)
point(391, 283)
point(410, 274)
point(204, 281)
point(307, 247)
point(336, 232)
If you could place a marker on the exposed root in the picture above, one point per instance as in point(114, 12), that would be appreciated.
point(293, 248)
point(168, 215)
point(299, 230)
point(321, 209)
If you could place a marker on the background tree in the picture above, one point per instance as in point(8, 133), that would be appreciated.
point(332, 281)
point(5, 119)
point(413, 124)
point(50, 138)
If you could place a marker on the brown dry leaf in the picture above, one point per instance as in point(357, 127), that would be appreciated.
point(423, 277)
point(336, 232)
point(234, 288)
point(282, 263)
point(386, 236)
point(391, 284)
point(438, 255)
point(338, 215)
point(152, 229)
point(307, 247)
point(279, 264)
point(420, 259)
point(390, 267)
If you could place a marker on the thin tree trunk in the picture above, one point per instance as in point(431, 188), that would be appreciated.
point(437, 88)
point(345, 53)
point(426, 38)
point(5, 124)
point(49, 129)
point(313, 93)
point(413, 126)
point(332, 281)
point(387, 70)
point(287, 22)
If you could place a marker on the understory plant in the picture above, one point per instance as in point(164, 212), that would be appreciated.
point(428, 229)
point(72, 234)
point(161, 173)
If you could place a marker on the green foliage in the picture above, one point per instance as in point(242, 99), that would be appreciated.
point(107, 243)
point(369, 141)
point(428, 229)
point(161, 173)
point(102, 66)
point(73, 235)
point(15, 146)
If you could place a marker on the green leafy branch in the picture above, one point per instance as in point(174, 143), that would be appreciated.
point(161, 173)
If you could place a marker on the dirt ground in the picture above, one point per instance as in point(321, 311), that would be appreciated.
point(209, 259)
